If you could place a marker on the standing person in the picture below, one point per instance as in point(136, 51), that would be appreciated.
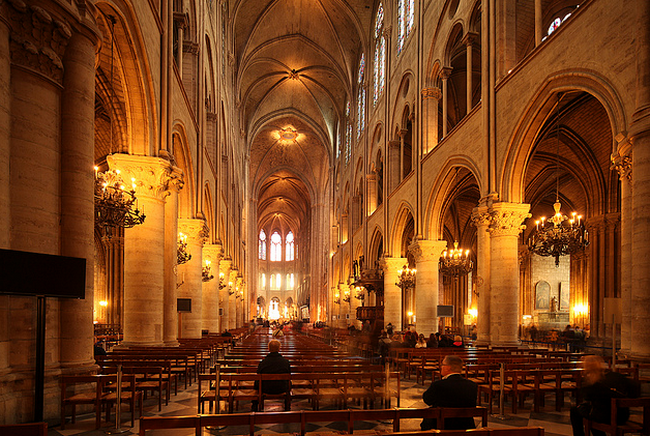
point(453, 390)
point(599, 386)
point(274, 363)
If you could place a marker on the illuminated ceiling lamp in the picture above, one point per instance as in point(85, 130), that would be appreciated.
point(455, 262)
point(559, 235)
point(406, 277)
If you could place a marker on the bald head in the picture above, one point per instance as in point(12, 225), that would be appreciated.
point(274, 346)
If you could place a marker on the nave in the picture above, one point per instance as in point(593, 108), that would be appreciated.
point(553, 422)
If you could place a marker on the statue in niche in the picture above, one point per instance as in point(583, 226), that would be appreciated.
point(553, 307)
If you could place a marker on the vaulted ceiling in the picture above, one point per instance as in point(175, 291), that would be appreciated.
point(295, 62)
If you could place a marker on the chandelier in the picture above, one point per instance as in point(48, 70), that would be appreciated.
point(346, 296)
point(231, 290)
point(406, 277)
point(222, 280)
point(337, 298)
point(359, 293)
point(455, 262)
point(206, 276)
point(559, 235)
point(115, 206)
point(182, 255)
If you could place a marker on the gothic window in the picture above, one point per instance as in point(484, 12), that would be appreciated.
point(380, 56)
point(405, 15)
point(276, 282)
point(557, 21)
point(290, 281)
point(262, 245)
point(276, 247)
point(289, 253)
point(361, 97)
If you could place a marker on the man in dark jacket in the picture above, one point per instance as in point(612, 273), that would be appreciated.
point(453, 390)
point(274, 363)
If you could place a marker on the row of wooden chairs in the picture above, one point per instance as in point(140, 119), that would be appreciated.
point(303, 418)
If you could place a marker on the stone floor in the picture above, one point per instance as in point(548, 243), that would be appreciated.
point(185, 403)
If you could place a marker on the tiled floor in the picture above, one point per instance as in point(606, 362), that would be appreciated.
point(185, 403)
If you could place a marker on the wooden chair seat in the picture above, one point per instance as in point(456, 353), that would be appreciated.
point(81, 390)
point(631, 426)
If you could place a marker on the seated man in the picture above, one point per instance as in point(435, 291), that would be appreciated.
point(453, 390)
point(274, 363)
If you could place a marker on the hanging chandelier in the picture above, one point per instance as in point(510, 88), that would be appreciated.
point(406, 277)
point(182, 255)
point(115, 206)
point(559, 235)
point(455, 262)
point(206, 276)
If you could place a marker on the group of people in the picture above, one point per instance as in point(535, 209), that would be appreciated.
point(454, 390)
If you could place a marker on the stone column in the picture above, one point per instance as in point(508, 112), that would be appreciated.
point(640, 259)
point(481, 219)
point(444, 75)
point(224, 268)
point(469, 40)
point(622, 163)
point(431, 97)
point(77, 208)
point(170, 291)
point(210, 307)
point(197, 233)
point(345, 228)
point(371, 198)
point(427, 256)
point(392, 292)
point(232, 300)
point(144, 249)
point(344, 290)
point(505, 226)
point(394, 165)
point(336, 307)
point(402, 134)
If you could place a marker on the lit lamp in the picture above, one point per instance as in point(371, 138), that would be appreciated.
point(222, 280)
point(581, 311)
point(456, 261)
point(346, 296)
point(182, 255)
point(230, 289)
point(559, 235)
point(473, 312)
point(359, 293)
point(406, 277)
point(337, 298)
point(115, 206)
point(206, 271)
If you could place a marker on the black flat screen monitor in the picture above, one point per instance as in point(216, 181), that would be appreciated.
point(445, 311)
point(184, 305)
point(25, 273)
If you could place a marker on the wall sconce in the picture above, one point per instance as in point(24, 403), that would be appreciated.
point(103, 303)
point(222, 280)
point(346, 295)
point(206, 271)
point(359, 293)
point(230, 289)
point(337, 298)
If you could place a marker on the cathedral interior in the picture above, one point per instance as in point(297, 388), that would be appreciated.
point(335, 161)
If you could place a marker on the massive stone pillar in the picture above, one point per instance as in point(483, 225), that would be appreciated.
point(192, 288)
point(481, 218)
point(392, 292)
point(171, 278)
point(427, 256)
point(211, 259)
point(77, 208)
point(224, 268)
point(344, 290)
point(144, 276)
point(505, 226)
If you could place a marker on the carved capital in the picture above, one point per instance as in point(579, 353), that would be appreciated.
point(213, 253)
point(427, 251)
point(470, 38)
point(196, 230)
point(445, 72)
point(390, 265)
point(154, 176)
point(38, 40)
point(507, 218)
point(623, 165)
point(481, 217)
point(190, 47)
point(433, 93)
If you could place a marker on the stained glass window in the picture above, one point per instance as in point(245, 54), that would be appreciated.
point(555, 24)
point(379, 73)
point(276, 247)
point(262, 245)
point(262, 281)
point(361, 97)
point(405, 16)
point(290, 281)
point(289, 253)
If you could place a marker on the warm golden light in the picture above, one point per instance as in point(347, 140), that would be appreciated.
point(473, 312)
point(581, 309)
point(103, 303)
